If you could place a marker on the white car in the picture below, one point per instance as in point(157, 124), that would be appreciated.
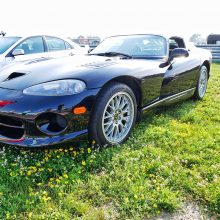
point(15, 49)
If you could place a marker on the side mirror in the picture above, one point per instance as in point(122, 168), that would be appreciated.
point(90, 50)
point(178, 52)
point(18, 52)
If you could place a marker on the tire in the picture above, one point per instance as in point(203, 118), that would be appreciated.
point(201, 84)
point(113, 116)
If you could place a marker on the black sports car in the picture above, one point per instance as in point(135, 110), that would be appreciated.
point(51, 101)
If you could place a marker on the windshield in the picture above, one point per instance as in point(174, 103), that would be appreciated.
point(6, 42)
point(134, 45)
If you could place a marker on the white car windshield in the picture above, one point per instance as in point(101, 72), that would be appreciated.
point(133, 45)
point(6, 42)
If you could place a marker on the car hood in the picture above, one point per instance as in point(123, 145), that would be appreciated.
point(94, 70)
point(24, 74)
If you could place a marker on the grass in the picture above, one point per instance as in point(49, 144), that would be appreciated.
point(172, 156)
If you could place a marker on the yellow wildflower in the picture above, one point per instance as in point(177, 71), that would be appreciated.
point(46, 159)
point(89, 150)
point(83, 163)
point(57, 180)
point(65, 176)
point(30, 214)
point(44, 193)
point(29, 172)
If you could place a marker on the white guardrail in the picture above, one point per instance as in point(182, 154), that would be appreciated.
point(214, 49)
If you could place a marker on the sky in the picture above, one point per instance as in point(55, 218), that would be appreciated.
point(104, 18)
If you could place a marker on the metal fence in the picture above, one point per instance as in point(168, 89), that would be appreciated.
point(215, 50)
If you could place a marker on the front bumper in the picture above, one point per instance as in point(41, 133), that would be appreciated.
point(43, 141)
point(18, 120)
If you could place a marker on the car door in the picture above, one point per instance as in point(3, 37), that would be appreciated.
point(33, 48)
point(181, 75)
point(58, 47)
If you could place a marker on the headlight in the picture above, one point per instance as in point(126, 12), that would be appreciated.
point(56, 88)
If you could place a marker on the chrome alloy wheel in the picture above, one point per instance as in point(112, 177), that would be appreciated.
point(203, 79)
point(118, 117)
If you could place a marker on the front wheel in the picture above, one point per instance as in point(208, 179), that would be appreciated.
point(202, 83)
point(114, 115)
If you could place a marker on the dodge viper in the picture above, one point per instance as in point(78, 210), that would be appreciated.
point(51, 101)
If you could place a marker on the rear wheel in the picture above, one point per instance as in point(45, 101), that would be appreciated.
point(114, 115)
point(202, 83)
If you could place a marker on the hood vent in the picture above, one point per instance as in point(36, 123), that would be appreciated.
point(97, 65)
point(14, 75)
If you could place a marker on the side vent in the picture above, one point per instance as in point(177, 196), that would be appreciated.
point(14, 75)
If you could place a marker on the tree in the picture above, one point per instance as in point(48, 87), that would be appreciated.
point(197, 39)
point(2, 33)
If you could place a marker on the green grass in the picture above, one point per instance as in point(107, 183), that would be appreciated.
point(172, 156)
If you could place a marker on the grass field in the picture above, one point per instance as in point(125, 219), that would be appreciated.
point(173, 156)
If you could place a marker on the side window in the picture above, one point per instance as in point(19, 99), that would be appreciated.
point(32, 45)
point(55, 44)
point(68, 46)
point(173, 44)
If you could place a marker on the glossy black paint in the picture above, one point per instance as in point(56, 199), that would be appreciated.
point(154, 81)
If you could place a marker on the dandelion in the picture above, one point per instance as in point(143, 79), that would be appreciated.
point(57, 180)
point(50, 170)
point(29, 172)
point(44, 192)
point(45, 198)
point(65, 176)
point(46, 159)
point(30, 214)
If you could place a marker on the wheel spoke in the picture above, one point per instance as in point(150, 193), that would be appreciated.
point(118, 117)
point(202, 83)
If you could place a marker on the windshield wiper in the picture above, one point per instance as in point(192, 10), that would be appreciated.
point(112, 54)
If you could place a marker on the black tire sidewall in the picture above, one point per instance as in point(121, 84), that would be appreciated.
point(95, 124)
